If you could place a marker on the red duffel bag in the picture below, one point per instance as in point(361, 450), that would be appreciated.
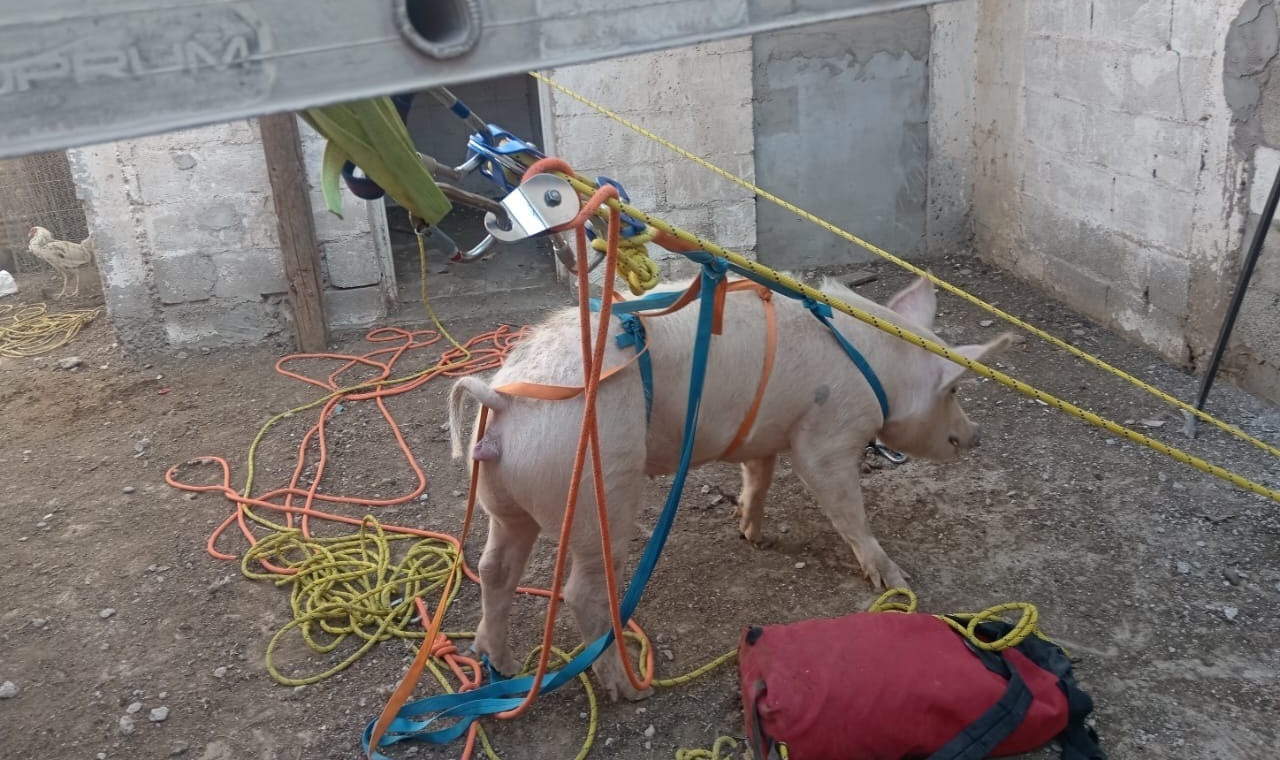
point(891, 685)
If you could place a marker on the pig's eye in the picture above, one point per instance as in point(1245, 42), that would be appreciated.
point(953, 390)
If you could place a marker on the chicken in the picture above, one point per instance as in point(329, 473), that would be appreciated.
point(62, 255)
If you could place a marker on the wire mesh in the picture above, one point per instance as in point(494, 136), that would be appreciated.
point(37, 190)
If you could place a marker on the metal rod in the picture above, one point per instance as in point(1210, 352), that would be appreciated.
point(1237, 299)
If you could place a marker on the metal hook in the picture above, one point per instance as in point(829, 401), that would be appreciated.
point(895, 457)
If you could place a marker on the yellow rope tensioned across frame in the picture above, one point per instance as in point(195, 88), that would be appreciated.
point(585, 187)
point(850, 237)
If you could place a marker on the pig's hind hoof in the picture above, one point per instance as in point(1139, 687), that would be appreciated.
point(628, 692)
point(759, 542)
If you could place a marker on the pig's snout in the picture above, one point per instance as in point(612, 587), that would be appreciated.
point(974, 439)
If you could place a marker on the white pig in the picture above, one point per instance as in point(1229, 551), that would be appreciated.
point(817, 405)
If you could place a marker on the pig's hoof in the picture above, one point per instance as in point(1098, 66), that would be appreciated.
point(628, 692)
point(504, 662)
point(613, 677)
point(888, 576)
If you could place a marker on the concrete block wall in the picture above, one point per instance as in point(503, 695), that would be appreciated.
point(1102, 165)
point(698, 97)
point(1251, 83)
point(841, 115)
point(188, 244)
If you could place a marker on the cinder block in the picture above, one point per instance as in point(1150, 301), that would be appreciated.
point(351, 264)
point(1054, 123)
point(184, 279)
point(1153, 85)
point(1255, 329)
point(1094, 74)
point(353, 223)
point(595, 141)
point(697, 77)
point(1142, 146)
point(215, 170)
point(178, 229)
point(1078, 289)
point(1069, 20)
point(223, 323)
point(1142, 24)
point(1266, 162)
point(1165, 223)
point(1081, 189)
point(246, 275)
point(645, 184)
point(689, 185)
point(734, 225)
point(1040, 62)
point(1266, 275)
point(1136, 318)
point(1167, 281)
point(354, 307)
point(1193, 28)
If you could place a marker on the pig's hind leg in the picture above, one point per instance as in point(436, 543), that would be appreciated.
point(586, 591)
point(512, 533)
point(828, 466)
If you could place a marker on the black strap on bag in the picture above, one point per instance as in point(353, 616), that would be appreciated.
point(1078, 740)
point(980, 737)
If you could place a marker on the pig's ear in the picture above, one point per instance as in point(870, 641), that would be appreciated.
point(916, 303)
point(952, 371)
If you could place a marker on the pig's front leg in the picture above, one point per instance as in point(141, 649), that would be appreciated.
point(828, 467)
point(757, 476)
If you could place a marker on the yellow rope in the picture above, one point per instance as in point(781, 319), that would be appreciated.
point(850, 237)
point(30, 330)
point(585, 187)
point(1027, 624)
point(634, 264)
point(349, 587)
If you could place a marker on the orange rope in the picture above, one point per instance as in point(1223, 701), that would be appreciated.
point(297, 501)
point(487, 351)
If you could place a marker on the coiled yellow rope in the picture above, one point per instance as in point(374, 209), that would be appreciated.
point(349, 587)
point(31, 330)
point(634, 264)
point(1027, 624)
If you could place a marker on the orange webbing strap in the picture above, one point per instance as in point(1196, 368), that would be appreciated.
point(770, 349)
point(548, 392)
point(433, 639)
point(588, 437)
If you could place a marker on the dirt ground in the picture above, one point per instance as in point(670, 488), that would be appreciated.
point(1164, 582)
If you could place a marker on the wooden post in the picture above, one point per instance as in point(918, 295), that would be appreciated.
point(299, 249)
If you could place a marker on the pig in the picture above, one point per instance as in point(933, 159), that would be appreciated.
point(817, 405)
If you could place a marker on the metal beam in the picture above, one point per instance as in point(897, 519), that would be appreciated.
point(76, 72)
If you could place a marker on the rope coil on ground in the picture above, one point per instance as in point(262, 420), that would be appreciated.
point(30, 330)
point(350, 592)
point(1026, 625)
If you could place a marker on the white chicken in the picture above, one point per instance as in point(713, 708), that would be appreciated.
point(62, 255)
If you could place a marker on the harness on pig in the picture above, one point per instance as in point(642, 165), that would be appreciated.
point(421, 720)
point(629, 313)
point(634, 335)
